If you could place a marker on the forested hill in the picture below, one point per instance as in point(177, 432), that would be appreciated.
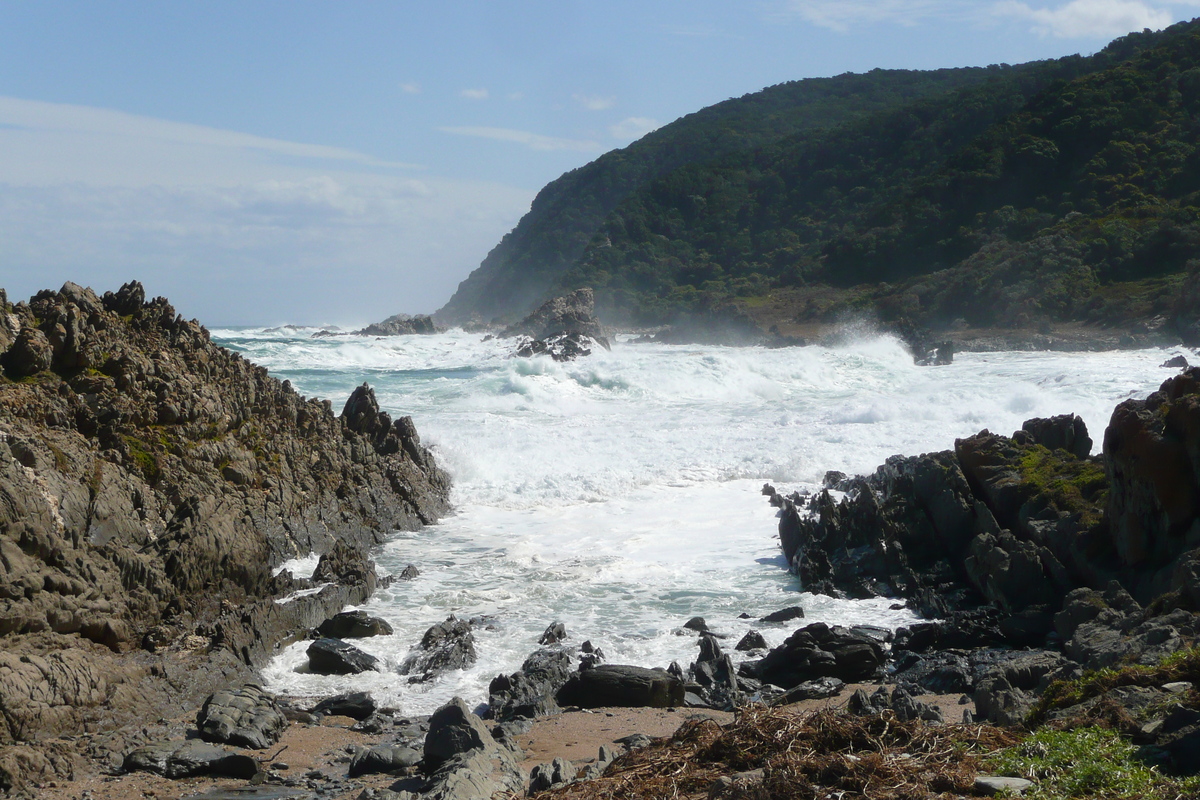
point(567, 213)
point(1056, 190)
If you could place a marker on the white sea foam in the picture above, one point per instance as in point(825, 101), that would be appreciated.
point(620, 493)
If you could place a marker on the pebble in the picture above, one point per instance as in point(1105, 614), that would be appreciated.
point(992, 786)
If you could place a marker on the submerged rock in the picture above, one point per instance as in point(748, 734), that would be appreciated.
point(445, 646)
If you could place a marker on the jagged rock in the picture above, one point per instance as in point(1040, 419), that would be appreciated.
point(621, 685)
point(1064, 432)
point(560, 347)
point(753, 640)
point(353, 625)
point(189, 759)
point(356, 705)
point(409, 573)
point(335, 657)
point(29, 355)
point(553, 634)
point(696, 624)
point(445, 646)
point(531, 690)
point(819, 651)
point(400, 325)
point(784, 615)
point(570, 314)
point(556, 773)
point(1175, 362)
point(247, 717)
point(383, 758)
point(454, 730)
point(180, 475)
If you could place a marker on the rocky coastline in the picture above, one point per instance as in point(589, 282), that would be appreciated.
point(151, 484)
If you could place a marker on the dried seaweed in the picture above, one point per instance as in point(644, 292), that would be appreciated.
point(817, 755)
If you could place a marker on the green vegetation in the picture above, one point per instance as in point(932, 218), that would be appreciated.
point(1086, 763)
point(1058, 190)
point(145, 460)
point(1076, 485)
point(1181, 666)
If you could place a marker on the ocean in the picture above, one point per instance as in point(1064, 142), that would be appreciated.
point(621, 493)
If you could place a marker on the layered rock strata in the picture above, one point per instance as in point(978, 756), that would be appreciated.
point(150, 481)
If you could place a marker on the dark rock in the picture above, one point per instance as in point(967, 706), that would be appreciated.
point(29, 355)
point(401, 325)
point(1065, 432)
point(696, 624)
point(356, 705)
point(819, 689)
point(819, 651)
point(383, 758)
point(753, 640)
point(189, 759)
point(556, 773)
point(409, 573)
point(446, 646)
point(530, 691)
point(335, 657)
point(784, 614)
point(570, 314)
point(353, 625)
point(454, 730)
point(1175, 362)
point(838, 481)
point(710, 649)
point(247, 717)
point(560, 347)
point(554, 634)
point(621, 685)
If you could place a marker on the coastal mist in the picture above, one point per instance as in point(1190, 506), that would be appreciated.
point(621, 493)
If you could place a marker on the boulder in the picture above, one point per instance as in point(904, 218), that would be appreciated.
point(353, 625)
point(30, 354)
point(189, 759)
point(356, 705)
point(554, 633)
point(621, 685)
point(383, 758)
point(819, 689)
point(784, 615)
point(454, 730)
point(335, 657)
point(820, 651)
point(445, 646)
point(247, 717)
point(753, 640)
point(1064, 432)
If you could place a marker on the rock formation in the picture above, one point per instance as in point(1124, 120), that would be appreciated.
point(149, 482)
point(400, 325)
point(562, 328)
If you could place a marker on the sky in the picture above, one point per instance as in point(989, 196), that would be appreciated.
point(338, 162)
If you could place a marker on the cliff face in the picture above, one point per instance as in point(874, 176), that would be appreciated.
point(149, 482)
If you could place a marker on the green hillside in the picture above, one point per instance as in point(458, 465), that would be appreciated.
point(1006, 202)
point(530, 261)
point(1058, 190)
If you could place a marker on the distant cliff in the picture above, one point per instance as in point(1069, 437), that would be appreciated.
point(1055, 191)
point(149, 482)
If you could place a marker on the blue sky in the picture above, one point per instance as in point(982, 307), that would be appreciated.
point(269, 162)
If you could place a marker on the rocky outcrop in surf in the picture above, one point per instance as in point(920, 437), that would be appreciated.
point(150, 482)
point(401, 325)
point(563, 328)
point(1026, 541)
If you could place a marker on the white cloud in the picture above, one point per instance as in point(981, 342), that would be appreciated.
point(46, 142)
point(232, 227)
point(410, 88)
point(515, 96)
point(534, 141)
point(594, 102)
point(1088, 18)
point(633, 128)
point(474, 94)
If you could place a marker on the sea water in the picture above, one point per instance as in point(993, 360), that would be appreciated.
point(621, 493)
